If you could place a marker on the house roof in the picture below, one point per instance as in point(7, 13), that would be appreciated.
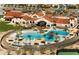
point(27, 17)
point(48, 18)
point(57, 20)
point(61, 21)
point(13, 13)
point(40, 13)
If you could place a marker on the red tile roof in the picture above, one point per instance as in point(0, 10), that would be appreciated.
point(40, 13)
point(27, 17)
point(48, 18)
point(13, 13)
point(9, 14)
point(62, 21)
point(57, 20)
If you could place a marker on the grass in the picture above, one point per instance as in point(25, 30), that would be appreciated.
point(4, 26)
point(68, 53)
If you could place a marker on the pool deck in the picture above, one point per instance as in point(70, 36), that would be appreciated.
point(5, 45)
point(2, 50)
point(73, 46)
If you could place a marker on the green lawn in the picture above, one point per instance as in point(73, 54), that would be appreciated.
point(4, 26)
point(68, 53)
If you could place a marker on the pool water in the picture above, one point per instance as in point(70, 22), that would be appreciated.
point(49, 37)
point(60, 32)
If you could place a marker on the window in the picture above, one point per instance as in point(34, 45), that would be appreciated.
point(71, 34)
point(66, 26)
point(7, 19)
point(48, 25)
point(16, 22)
point(23, 22)
point(33, 21)
point(30, 22)
point(71, 24)
point(13, 21)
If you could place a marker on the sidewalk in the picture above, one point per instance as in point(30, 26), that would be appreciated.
point(2, 51)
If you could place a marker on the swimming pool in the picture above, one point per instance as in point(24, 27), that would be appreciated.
point(49, 37)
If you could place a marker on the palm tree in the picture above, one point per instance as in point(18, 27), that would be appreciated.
point(18, 51)
point(8, 52)
point(24, 51)
point(48, 25)
point(54, 25)
point(57, 41)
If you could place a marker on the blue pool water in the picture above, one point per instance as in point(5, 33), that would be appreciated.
point(49, 37)
point(60, 32)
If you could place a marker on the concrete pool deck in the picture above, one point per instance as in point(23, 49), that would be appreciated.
point(73, 46)
point(10, 48)
point(2, 50)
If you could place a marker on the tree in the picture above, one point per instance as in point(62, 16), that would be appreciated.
point(18, 51)
point(8, 52)
point(48, 25)
point(53, 25)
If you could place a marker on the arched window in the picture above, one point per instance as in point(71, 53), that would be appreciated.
point(13, 21)
point(30, 22)
point(16, 22)
point(23, 22)
point(33, 21)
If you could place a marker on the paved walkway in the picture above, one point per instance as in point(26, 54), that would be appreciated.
point(73, 46)
point(2, 51)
